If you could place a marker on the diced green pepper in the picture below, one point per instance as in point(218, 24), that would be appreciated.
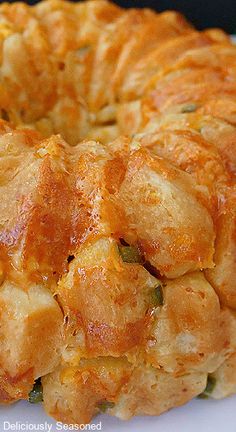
point(157, 295)
point(36, 394)
point(104, 405)
point(211, 382)
point(83, 50)
point(130, 254)
point(189, 108)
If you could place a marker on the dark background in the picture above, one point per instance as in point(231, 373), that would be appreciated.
point(203, 13)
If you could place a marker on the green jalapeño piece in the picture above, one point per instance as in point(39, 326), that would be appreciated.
point(189, 108)
point(130, 254)
point(157, 294)
point(211, 382)
point(36, 394)
point(104, 405)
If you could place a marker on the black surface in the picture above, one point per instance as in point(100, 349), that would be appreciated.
point(203, 13)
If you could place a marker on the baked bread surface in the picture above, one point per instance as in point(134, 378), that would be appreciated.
point(117, 210)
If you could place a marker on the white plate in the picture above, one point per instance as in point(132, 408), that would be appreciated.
point(196, 416)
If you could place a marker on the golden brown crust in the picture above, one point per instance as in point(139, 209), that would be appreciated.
point(163, 229)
